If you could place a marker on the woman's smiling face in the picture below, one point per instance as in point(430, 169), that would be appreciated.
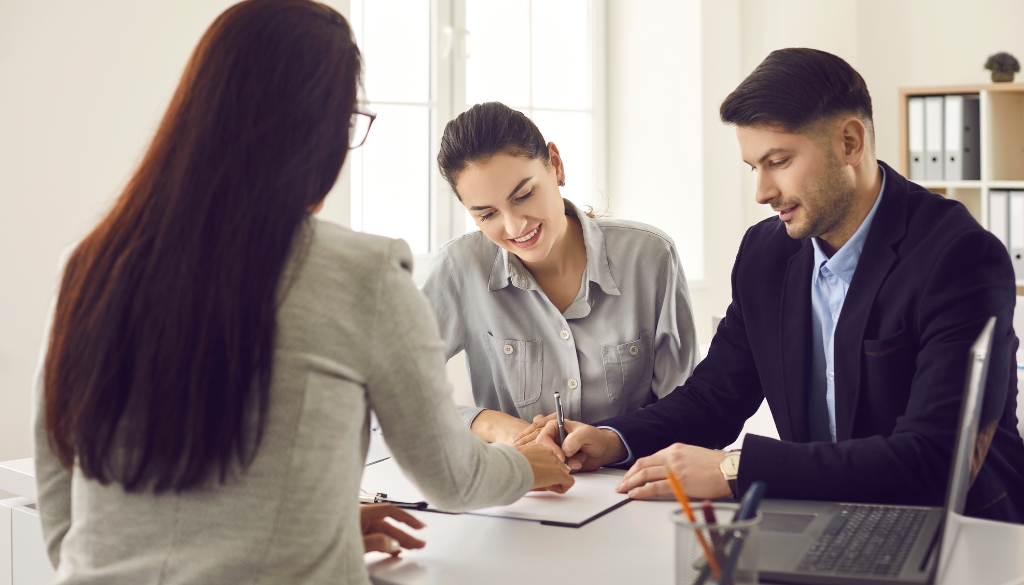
point(516, 202)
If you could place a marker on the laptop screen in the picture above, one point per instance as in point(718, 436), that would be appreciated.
point(968, 454)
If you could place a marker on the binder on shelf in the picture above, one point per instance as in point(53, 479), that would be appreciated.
point(962, 142)
point(915, 137)
point(1016, 235)
point(998, 215)
point(933, 137)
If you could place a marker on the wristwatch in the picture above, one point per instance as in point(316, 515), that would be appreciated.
point(730, 468)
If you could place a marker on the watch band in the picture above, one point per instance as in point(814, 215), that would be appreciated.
point(735, 487)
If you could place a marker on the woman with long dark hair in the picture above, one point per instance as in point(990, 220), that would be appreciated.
point(203, 403)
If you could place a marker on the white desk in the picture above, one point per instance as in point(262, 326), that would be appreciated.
point(633, 544)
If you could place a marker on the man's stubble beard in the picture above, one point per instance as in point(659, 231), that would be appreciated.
point(833, 200)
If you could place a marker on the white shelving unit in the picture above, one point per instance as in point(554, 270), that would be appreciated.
point(1002, 145)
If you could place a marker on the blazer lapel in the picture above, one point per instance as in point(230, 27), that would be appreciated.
point(795, 338)
point(876, 260)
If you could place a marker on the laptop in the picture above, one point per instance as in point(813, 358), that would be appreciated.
point(833, 543)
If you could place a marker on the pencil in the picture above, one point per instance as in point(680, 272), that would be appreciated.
point(685, 503)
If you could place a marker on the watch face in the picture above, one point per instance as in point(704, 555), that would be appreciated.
point(731, 464)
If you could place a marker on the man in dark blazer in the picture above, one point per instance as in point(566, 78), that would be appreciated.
point(852, 312)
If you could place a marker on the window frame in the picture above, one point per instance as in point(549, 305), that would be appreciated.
point(448, 47)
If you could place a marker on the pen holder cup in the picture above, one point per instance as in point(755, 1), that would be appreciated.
point(733, 545)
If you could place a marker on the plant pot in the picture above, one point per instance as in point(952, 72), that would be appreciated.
point(1002, 76)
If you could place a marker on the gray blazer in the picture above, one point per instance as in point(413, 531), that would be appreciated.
point(354, 334)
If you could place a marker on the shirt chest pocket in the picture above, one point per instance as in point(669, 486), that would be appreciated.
point(626, 366)
point(517, 367)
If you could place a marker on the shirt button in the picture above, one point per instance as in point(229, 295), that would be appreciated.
point(508, 350)
point(831, 375)
point(633, 350)
point(564, 334)
point(573, 384)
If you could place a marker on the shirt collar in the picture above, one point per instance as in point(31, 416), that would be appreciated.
point(844, 262)
point(509, 268)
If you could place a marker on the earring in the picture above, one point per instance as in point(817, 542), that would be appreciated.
point(561, 183)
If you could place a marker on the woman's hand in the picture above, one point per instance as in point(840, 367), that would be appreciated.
point(529, 434)
point(495, 426)
point(549, 473)
point(382, 536)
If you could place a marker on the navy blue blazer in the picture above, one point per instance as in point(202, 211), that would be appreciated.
point(928, 279)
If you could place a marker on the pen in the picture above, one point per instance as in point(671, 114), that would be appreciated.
point(561, 419)
point(748, 509)
point(685, 503)
point(751, 502)
point(709, 517)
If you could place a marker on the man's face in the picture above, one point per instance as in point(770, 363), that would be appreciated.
point(800, 177)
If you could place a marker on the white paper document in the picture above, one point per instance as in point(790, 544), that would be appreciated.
point(592, 496)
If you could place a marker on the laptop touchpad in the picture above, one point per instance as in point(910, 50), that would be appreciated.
point(791, 523)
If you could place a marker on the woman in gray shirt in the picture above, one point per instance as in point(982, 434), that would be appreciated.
point(545, 298)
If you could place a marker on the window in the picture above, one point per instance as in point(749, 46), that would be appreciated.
point(538, 56)
point(390, 173)
point(425, 61)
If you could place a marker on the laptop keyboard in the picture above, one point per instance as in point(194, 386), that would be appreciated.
point(865, 540)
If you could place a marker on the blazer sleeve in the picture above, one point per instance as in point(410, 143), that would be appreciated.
point(709, 409)
point(407, 389)
point(970, 281)
point(53, 480)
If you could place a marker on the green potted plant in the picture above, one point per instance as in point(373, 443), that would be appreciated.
point(1003, 66)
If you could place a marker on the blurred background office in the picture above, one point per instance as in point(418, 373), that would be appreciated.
point(628, 89)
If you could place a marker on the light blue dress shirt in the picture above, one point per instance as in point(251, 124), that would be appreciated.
point(830, 281)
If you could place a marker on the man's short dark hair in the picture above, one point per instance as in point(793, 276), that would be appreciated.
point(794, 89)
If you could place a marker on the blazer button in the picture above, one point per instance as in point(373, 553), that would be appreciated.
point(573, 384)
point(507, 349)
point(633, 350)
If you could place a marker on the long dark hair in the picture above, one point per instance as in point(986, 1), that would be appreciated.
point(483, 131)
point(160, 359)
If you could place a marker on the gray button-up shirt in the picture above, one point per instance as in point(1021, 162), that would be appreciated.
point(625, 341)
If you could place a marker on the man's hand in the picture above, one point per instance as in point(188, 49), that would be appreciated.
point(530, 433)
point(495, 426)
point(380, 535)
point(696, 468)
point(585, 448)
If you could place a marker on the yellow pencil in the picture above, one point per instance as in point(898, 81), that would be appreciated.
point(685, 503)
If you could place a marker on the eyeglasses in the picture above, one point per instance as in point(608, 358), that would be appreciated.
point(359, 127)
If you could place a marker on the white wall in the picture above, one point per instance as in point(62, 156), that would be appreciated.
point(892, 43)
point(82, 88)
point(653, 52)
point(83, 84)
point(81, 91)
